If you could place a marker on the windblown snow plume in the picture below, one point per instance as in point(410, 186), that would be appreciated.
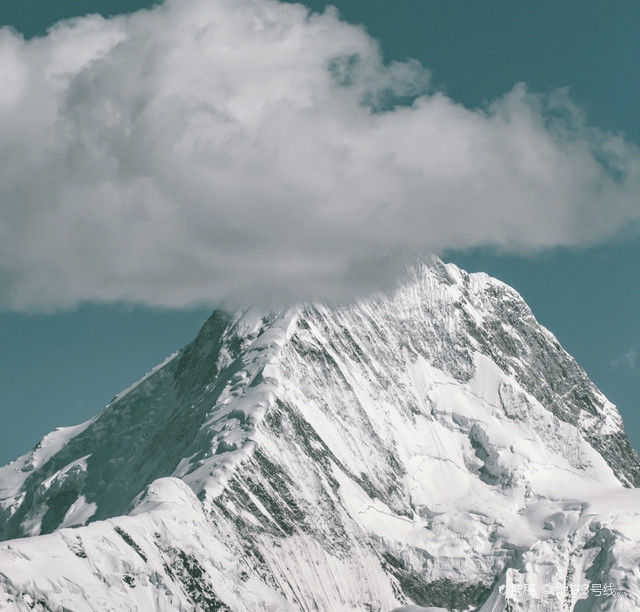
point(250, 150)
point(433, 448)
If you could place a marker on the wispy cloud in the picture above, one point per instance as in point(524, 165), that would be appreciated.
point(627, 360)
point(240, 149)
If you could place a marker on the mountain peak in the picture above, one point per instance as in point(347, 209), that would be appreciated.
point(424, 447)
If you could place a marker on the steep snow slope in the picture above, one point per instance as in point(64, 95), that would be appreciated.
point(436, 447)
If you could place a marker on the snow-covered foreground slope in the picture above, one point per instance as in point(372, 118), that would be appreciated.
point(435, 448)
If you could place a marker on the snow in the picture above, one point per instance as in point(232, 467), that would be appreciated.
point(78, 513)
point(419, 609)
point(13, 475)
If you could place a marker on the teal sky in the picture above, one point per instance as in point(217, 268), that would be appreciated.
point(61, 369)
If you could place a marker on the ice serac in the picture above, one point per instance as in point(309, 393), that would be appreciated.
point(436, 448)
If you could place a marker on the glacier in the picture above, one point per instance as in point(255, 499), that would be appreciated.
point(431, 449)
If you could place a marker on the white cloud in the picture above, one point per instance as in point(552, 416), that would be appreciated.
point(242, 149)
point(627, 360)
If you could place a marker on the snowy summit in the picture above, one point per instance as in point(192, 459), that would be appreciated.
point(433, 448)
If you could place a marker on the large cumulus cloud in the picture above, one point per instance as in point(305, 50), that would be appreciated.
point(246, 150)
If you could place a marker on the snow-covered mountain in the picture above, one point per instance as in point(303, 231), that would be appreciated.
point(435, 447)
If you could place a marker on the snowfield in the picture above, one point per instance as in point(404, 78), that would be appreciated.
point(435, 449)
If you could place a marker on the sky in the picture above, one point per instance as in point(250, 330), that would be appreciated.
point(501, 135)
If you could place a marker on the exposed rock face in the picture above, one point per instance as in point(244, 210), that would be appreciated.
point(436, 447)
